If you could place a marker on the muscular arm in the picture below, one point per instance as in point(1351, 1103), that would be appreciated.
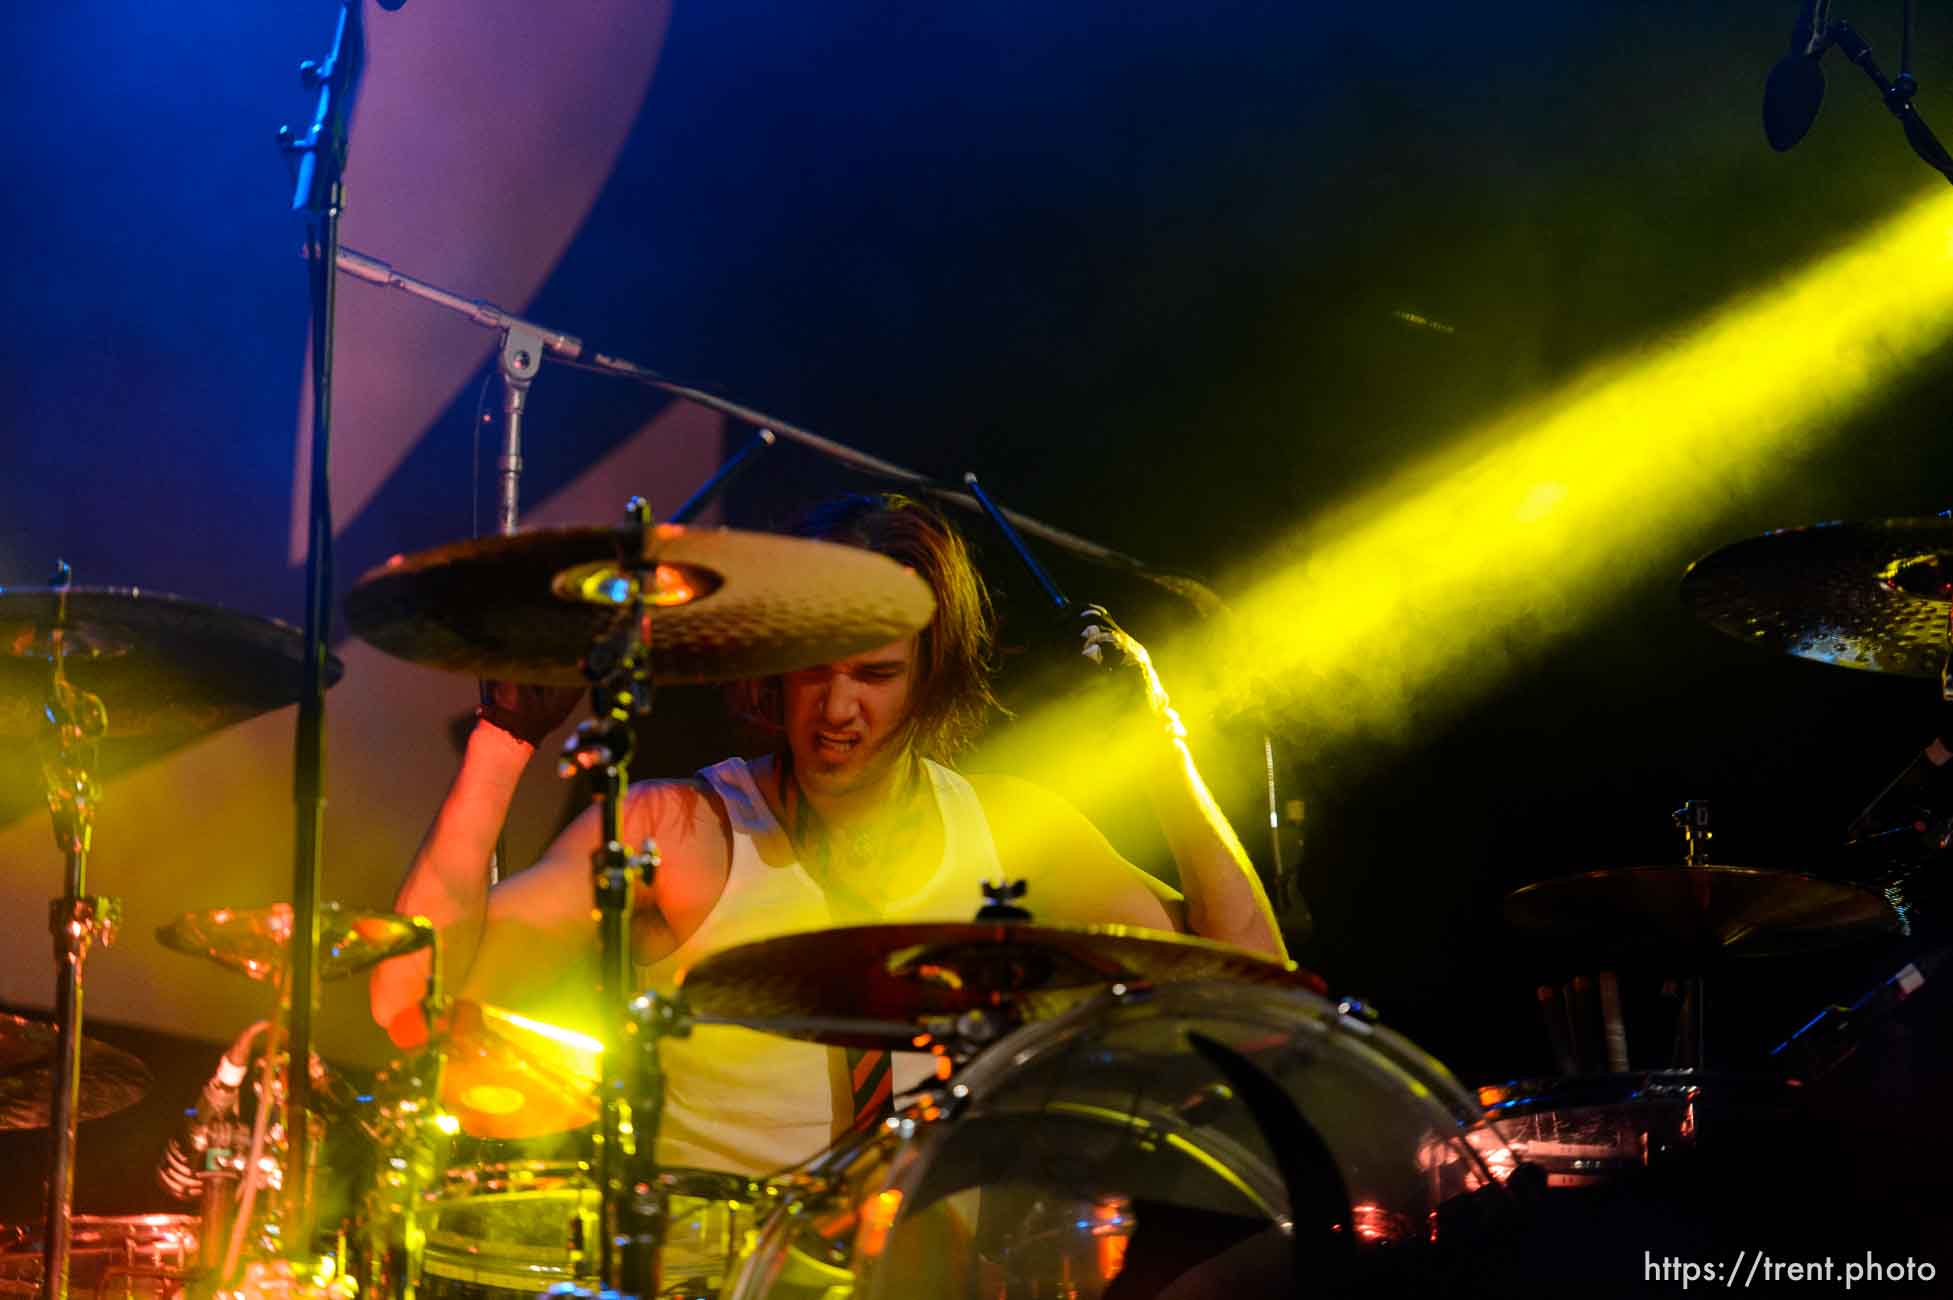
point(531, 942)
point(539, 944)
point(447, 882)
point(1225, 899)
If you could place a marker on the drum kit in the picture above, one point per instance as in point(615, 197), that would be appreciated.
point(1106, 1103)
point(1111, 1112)
point(1110, 1109)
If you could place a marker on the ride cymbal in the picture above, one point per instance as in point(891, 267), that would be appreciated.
point(850, 986)
point(253, 941)
point(29, 1050)
point(1874, 596)
point(163, 666)
point(1699, 911)
point(726, 604)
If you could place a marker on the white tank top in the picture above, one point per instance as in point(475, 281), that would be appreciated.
point(754, 1103)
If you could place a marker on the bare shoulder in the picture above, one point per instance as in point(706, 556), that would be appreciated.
point(674, 806)
point(1001, 793)
point(1074, 872)
point(685, 819)
point(687, 822)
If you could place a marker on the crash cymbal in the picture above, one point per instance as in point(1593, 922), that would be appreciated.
point(1871, 595)
point(110, 1077)
point(833, 986)
point(252, 941)
point(1699, 912)
point(507, 1076)
point(728, 604)
point(163, 666)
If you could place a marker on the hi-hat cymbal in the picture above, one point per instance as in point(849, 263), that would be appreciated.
point(1699, 912)
point(163, 666)
point(110, 1077)
point(1873, 596)
point(727, 604)
point(851, 985)
point(253, 941)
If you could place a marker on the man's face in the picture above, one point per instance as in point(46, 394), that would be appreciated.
point(846, 721)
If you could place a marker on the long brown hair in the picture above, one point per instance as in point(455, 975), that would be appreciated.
point(955, 653)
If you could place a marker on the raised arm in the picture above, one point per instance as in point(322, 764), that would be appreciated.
point(447, 881)
point(1224, 897)
point(538, 946)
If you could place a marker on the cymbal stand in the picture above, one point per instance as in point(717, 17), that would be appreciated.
point(75, 720)
point(618, 668)
point(1691, 1030)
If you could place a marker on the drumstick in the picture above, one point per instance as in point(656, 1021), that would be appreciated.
point(724, 475)
point(1043, 579)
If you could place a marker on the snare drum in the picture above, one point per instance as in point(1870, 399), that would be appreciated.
point(1102, 1144)
point(519, 1227)
point(111, 1258)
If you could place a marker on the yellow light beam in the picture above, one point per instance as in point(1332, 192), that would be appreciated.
point(1417, 591)
point(1531, 525)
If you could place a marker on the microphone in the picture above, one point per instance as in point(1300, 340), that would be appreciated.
point(182, 1167)
point(1795, 86)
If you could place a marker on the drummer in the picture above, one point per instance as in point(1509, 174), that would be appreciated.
point(856, 817)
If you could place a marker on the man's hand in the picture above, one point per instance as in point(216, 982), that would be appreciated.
point(1115, 651)
point(529, 713)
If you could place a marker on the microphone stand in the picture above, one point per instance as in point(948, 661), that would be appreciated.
point(572, 351)
point(524, 344)
point(319, 192)
point(1897, 93)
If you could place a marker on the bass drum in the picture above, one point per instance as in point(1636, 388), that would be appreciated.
point(1115, 1152)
